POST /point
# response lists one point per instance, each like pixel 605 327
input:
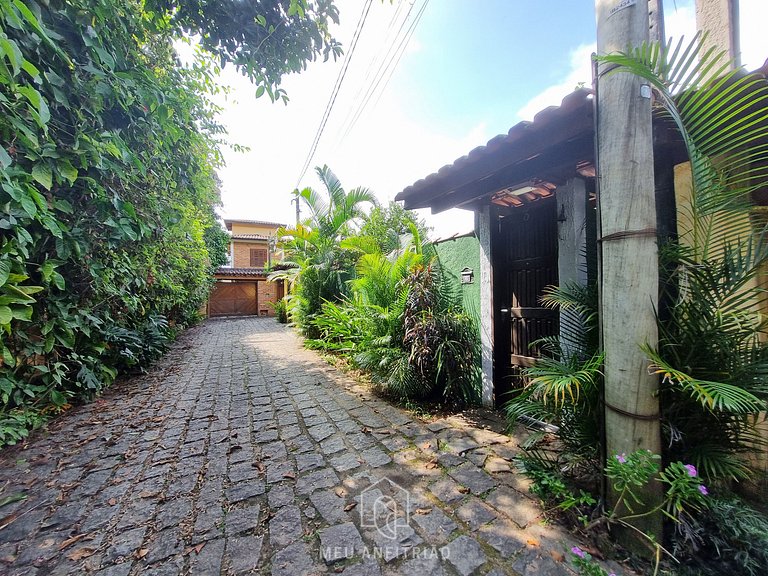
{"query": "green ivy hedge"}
pixel 108 151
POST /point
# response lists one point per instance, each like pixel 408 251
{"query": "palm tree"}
pixel 322 266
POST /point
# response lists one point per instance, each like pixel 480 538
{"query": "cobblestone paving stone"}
pixel 243 453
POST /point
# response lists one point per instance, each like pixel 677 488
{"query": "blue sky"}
pixel 486 58
pixel 472 69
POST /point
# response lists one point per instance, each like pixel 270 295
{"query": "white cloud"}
pixel 580 72
pixel 754 48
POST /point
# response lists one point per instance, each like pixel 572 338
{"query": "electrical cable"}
pixel 381 58
pixel 387 70
pixel 335 92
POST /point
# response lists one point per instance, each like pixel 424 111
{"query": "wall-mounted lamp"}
pixel 467 276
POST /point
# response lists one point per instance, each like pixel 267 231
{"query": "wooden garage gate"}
pixel 233 299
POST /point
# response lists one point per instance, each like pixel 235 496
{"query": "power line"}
pixel 383 59
pixel 389 41
pixel 386 68
pixel 335 92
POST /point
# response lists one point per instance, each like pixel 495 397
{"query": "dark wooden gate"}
pixel 525 263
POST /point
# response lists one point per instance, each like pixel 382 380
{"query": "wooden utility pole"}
pixel 298 207
pixel 629 255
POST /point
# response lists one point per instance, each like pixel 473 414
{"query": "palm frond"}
pixel 714 396
pixel 361 244
pixel 560 382
pixel 331 183
pixel 718 111
pixel 316 204
pixel 710 354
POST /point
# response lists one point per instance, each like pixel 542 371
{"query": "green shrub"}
pixel 281 311
pixel 729 538
pixel 107 159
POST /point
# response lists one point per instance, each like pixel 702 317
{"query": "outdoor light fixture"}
pixel 467 276
pixel 522 191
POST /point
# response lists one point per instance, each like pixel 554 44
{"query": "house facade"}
pixel 242 288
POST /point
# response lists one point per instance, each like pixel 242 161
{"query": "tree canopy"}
pixel 264 39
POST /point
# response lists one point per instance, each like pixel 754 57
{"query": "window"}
pixel 258 257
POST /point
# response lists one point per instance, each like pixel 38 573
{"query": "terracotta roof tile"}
pixel 249 237
pixel 420 192
pixel 227 271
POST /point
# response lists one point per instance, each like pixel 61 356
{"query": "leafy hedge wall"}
pixel 108 149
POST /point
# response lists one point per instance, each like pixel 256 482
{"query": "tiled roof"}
pixel 249 237
pixel 226 271
pixel 229 221
pixel 557 123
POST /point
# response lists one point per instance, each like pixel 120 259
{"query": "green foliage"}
pixel 217 244
pixel 390 226
pixel 563 387
pixel 684 495
pixel 711 351
pixel 551 488
pixel 586 564
pixel 322 264
pixel 440 338
pixel 728 538
pixel 15 425
pixel 400 319
pixel 281 311
pixel 264 39
pixel 108 151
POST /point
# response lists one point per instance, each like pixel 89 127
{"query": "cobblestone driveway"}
pixel 244 453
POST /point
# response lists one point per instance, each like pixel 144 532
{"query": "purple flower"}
pixel 622 458
pixel 578 551
pixel 703 489
pixel 691 469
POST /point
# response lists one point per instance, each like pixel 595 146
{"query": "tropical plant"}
pixel 390 226
pixel 730 537
pixel 322 266
pixel 402 322
pixel 281 311
pixel 430 348
pixel 563 387
pixel 264 39
pixel 380 275
pixel 711 353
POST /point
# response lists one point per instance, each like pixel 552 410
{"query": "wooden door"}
pixel 526 263
pixel 233 299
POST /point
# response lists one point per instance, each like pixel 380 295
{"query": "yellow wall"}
pixel 683 191
pixel 247 228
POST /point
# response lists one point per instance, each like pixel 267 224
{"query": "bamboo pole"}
pixel 629 259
